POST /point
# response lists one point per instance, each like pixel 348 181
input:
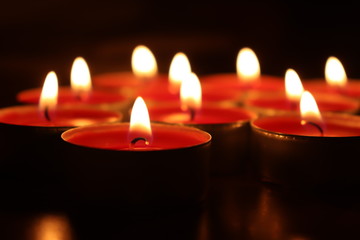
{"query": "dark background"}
pixel 39 36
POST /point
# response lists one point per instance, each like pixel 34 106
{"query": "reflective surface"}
pixel 235 209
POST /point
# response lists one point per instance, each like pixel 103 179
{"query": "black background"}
pixel 39 36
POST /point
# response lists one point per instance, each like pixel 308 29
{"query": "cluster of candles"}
pixel 143 137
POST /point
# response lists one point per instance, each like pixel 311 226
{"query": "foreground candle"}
pixel 137 164
pixel 229 127
pixel 308 151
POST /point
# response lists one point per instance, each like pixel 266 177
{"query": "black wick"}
pixel 46 114
pixel 192 114
pixel 135 140
pixel 317 126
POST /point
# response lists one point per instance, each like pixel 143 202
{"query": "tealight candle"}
pixel 144 72
pixel 32 134
pixel 167 91
pixel 307 151
pixel 248 77
pixel 81 91
pixel 336 81
pixel 137 164
pixel 229 126
pixel 288 101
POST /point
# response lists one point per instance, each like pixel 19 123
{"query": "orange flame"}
pixel 335 74
pixel 247 65
pixel 179 68
pixel 80 77
pixel 140 127
pixel 143 62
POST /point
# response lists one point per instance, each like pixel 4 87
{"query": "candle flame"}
pixel 49 92
pixel 140 127
pixel 247 65
pixel 143 62
pixel 309 109
pixel 190 93
pixel 335 74
pixel 293 85
pixel 80 77
pixel 179 68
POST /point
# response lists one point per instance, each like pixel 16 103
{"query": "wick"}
pixel 135 140
pixel 46 114
pixel 78 97
pixel 293 105
pixel 192 114
pixel 317 126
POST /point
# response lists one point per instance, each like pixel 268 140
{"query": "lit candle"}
pixel 144 71
pixel 137 164
pixel 307 151
pixel 248 78
pixel 80 92
pixel 32 134
pixel 167 90
pixel 335 82
pixel 229 126
pixel 288 101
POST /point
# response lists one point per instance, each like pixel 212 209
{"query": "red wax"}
pixel 231 81
pixel 325 102
pixel 67 96
pixel 115 137
pixel 335 125
pixel 352 88
pixel 62 117
pixel 206 115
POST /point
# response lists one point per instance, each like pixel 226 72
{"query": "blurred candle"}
pixel 248 77
pixel 81 91
pixel 144 71
pixel 335 82
pixel 282 103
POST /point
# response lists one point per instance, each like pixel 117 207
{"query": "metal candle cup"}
pixel 105 169
pixel 229 128
pixel 303 157
pixel 30 148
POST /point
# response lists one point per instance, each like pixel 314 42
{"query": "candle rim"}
pixel 298 136
pixel 250 114
pixel 3 112
pixel 127 124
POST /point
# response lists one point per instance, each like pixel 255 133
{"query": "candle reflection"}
pixel 267 222
pixel 52 227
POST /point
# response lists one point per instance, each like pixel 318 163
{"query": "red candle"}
pixel 80 92
pixel 144 72
pixel 335 82
pixel 32 148
pixel 228 126
pixel 308 151
pixel 167 90
pixel 137 164
pixel 288 101
pixel 248 77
